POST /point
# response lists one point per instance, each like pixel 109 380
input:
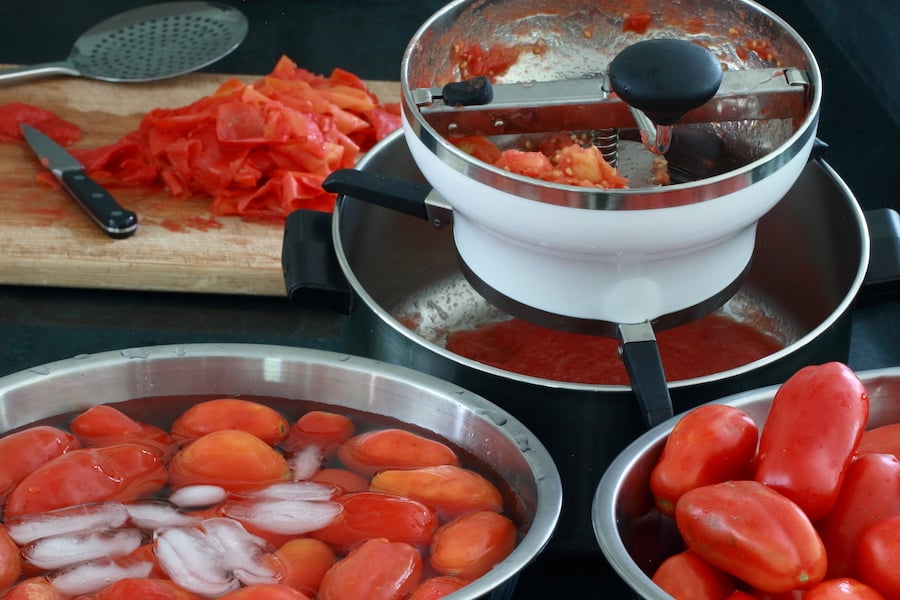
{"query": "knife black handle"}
pixel 99 204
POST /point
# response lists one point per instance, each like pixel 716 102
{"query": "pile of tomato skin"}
pixel 807 506
pixel 258 150
pixel 415 524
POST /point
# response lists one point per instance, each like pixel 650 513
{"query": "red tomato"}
pixel 148 589
pixel 369 515
pixel 373 451
pixel 326 430
pixel 740 595
pixel 686 576
pixel 347 480
pixel 881 440
pixel 302 562
pixel 470 545
pixel 10 562
pixel 24 451
pixel 33 589
pixel 810 435
pixel 265 591
pixel 749 530
pixel 112 473
pixel 870 492
pixel 450 490
pixel 375 570
pixel 710 444
pixel 230 413
pixel 435 588
pixel 233 459
pixel 103 425
pixel 877 557
pixel 844 588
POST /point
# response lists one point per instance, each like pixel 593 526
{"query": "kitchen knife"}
pixel 96 201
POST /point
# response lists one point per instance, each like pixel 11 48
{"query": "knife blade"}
pixel 96 201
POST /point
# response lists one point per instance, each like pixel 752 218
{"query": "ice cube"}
pixel 91 576
pixel 295 490
pixel 290 517
pixel 68 549
pixel 82 517
pixel 153 514
pixel 193 562
pixel 193 496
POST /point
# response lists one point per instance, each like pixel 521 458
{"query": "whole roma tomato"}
pixel 302 563
pixel 265 591
pixel 749 530
pixel 367 515
pixel 120 473
pixel 710 444
pixel 10 562
pixel 377 569
pixel 810 436
pixel 24 451
pixel 470 545
pixel 255 418
pixel 434 588
pixel 323 429
pixel 870 492
pixel 884 439
pixel 373 451
pixel 103 425
pixel 450 490
pixel 155 589
pixel 877 557
pixel 686 576
pixel 843 588
pixel 35 588
pixel 345 479
pixel 230 458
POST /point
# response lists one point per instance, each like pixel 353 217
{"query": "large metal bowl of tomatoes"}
pixel 787 491
pixel 244 471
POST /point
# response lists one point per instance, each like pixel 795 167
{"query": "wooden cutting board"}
pixel 46 240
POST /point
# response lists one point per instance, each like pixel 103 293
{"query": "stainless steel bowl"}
pixel 338 380
pixel 635 537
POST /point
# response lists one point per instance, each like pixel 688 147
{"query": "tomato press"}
pixel 722 96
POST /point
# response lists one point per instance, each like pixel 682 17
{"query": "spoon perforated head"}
pixel 149 43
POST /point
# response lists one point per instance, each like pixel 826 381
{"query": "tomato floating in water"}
pixel 121 473
pixel 24 451
pixel 230 458
pixel 376 570
pixel 230 413
pixel 709 345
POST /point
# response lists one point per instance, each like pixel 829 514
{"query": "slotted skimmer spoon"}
pixel 148 43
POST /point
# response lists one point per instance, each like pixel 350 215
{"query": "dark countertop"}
pixel 39 325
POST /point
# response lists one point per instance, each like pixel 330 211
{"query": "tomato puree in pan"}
pixel 706 346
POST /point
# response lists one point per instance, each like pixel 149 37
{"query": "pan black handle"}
pixel 390 192
pixel 640 354
pixel 312 275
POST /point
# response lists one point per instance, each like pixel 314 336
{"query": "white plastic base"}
pixel 620 266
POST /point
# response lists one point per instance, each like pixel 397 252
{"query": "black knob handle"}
pixel 665 78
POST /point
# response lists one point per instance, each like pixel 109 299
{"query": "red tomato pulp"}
pixel 709 345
